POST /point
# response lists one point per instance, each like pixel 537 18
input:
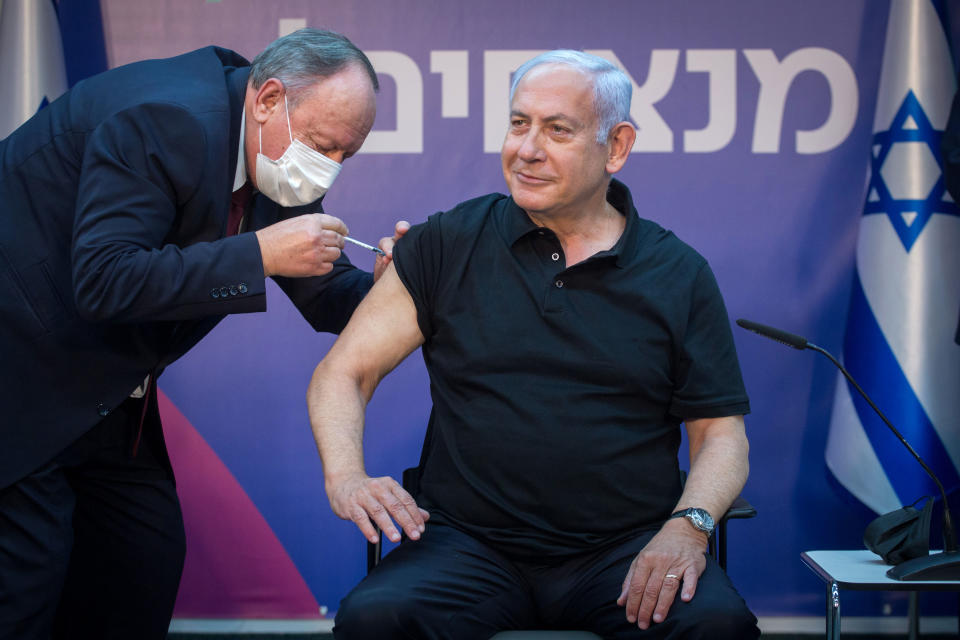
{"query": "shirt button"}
pixel 559 284
pixel 214 293
pixel 103 410
pixel 224 292
pixel 555 256
pixel 242 287
pixel 233 290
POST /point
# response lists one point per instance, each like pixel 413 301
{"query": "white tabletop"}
pixel 865 570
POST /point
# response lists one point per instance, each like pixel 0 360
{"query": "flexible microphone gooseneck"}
pixel 937 566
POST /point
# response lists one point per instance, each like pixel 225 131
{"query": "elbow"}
pixel 745 457
pixel 91 303
pixel 316 384
pixel 333 379
pixel 93 293
pixel 99 300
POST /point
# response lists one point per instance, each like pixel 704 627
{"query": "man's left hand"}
pixel 386 245
pixel 674 558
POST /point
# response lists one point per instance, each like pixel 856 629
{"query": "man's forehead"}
pixel 555 75
pixel 559 89
pixel 547 117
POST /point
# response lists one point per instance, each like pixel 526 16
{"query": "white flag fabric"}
pixel 31 60
pixel 899 341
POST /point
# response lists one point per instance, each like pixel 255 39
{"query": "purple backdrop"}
pixel 775 212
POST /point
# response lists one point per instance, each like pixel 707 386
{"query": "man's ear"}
pixel 619 143
pixel 266 99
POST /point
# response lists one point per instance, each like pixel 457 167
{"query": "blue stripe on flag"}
pixel 940 6
pixel 868 357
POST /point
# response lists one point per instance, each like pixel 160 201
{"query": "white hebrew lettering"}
pixel 286 26
pixel 721 67
pixel 408 136
pixel 653 134
pixel 454 85
pixel 775 80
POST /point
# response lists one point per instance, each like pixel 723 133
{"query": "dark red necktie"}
pixel 238 206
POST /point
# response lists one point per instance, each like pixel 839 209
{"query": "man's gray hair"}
pixel 612 88
pixel 301 58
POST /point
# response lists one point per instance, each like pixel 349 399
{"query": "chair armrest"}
pixel 740 509
pixel 411 482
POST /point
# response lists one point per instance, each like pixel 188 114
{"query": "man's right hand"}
pixel 365 500
pixel 303 246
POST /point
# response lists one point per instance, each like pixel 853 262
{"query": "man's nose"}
pixel 336 156
pixel 531 149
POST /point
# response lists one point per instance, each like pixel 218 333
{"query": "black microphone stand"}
pixel 936 566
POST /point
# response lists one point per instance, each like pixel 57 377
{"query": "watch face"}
pixel 701 519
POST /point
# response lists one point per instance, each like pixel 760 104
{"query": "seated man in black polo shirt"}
pixel 566 340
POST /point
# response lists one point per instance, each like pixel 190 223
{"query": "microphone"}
pixel 789 339
pixel 936 566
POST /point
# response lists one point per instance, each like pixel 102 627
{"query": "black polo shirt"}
pixel 558 392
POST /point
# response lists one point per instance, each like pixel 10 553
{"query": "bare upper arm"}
pixel 381 333
pixel 700 430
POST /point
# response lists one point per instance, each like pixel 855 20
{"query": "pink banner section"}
pixel 235 566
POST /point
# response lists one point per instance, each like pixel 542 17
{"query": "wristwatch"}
pixel 698 517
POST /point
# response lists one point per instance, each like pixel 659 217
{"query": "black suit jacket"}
pixel 113 251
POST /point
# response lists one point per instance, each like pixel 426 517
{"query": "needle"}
pixel 365 246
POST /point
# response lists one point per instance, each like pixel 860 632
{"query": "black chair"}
pixel 717 545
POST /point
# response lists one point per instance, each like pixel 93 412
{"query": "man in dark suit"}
pixel 135 212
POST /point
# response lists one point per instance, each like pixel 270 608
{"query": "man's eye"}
pixel 558 129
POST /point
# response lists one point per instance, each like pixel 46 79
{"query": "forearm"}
pixel 719 465
pixel 117 282
pixel 336 402
pixel 674 559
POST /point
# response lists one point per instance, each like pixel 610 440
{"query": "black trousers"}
pixel 450 585
pixel 92 543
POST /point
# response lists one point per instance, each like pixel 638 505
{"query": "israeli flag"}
pixel 32 72
pixel 906 290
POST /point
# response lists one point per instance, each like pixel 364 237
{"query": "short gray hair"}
pixel 612 88
pixel 299 59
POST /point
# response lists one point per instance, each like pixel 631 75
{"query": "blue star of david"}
pixel 895 208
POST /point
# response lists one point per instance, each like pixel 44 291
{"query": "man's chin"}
pixel 530 205
pixel 529 198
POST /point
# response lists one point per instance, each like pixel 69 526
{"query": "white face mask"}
pixel 300 176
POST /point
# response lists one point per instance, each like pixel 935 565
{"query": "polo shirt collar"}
pixel 626 247
pixel 518 224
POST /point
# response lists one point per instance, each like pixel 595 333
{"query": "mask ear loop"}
pixel 287 111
